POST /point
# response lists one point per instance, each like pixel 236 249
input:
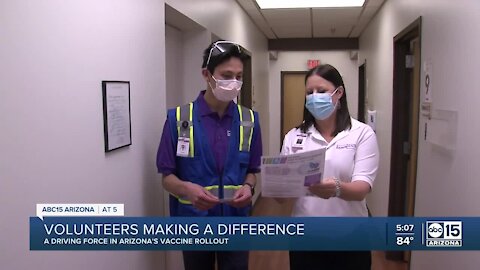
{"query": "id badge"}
pixel 183 147
pixel 300 141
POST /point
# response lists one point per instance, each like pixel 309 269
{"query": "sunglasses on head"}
pixel 220 47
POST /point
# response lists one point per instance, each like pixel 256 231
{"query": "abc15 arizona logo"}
pixel 443 234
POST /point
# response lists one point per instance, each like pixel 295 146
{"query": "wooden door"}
pixel 292 100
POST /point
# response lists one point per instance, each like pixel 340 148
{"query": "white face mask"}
pixel 226 90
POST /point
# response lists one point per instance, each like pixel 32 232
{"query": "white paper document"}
pixel 290 176
pixel 118 115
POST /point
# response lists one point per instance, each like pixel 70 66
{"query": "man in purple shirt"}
pixel 210 152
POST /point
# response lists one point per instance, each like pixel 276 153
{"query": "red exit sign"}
pixel 312 63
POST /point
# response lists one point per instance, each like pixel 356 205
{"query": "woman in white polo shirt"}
pixel 351 164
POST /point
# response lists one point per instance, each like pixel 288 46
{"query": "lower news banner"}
pixel 253 233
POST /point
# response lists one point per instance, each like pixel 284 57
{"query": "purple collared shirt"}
pixel 218 131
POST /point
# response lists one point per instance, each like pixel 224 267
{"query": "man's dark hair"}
pixel 221 51
pixel 332 75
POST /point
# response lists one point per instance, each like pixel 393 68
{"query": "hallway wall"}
pixel 54 56
pixel 446 180
pixel 174 61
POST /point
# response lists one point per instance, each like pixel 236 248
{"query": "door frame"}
pixel 246 96
pixel 282 86
pixel 362 90
pixel 402 189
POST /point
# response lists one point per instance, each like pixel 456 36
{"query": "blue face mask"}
pixel 320 105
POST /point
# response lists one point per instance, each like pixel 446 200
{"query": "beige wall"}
pixel 446 180
pixel 174 61
pixel 55 55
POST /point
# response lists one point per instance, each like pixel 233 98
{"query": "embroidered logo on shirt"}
pixel 346 146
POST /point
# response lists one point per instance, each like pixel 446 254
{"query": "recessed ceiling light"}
pixel 271 4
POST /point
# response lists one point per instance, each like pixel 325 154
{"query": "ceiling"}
pixel 311 22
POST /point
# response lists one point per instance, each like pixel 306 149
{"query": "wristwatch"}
pixel 252 187
pixel 338 190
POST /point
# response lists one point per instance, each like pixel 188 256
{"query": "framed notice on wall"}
pixel 117 125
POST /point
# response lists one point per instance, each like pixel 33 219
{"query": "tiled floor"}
pixel 278 260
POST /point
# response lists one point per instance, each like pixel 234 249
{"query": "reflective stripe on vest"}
pixel 185 124
pixel 247 122
pixel 184 117
pixel 183 201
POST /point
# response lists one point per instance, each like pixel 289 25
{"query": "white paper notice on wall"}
pixel 442 129
pixel 427 81
pixel 372 119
